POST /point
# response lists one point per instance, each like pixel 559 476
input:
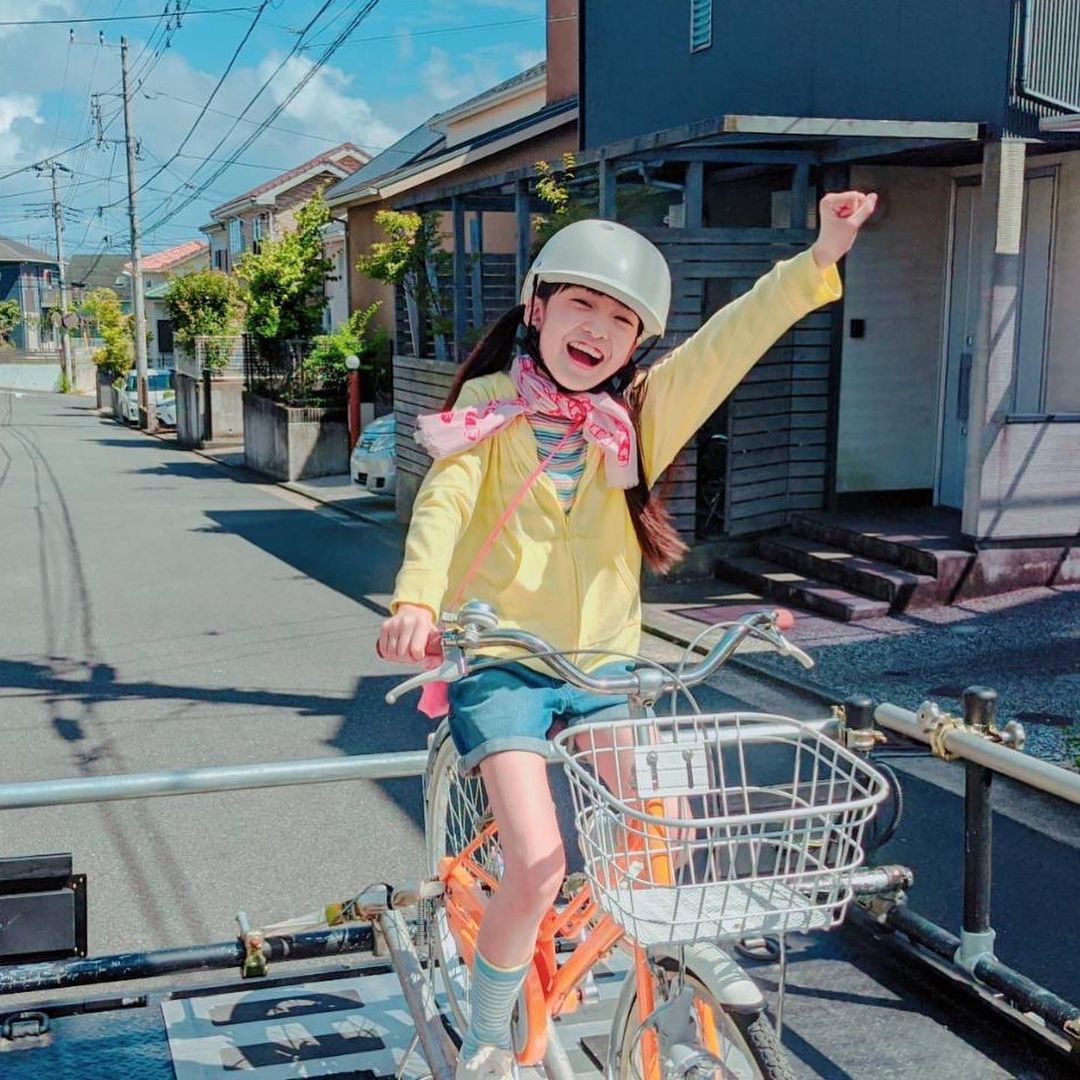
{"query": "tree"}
pixel 10 317
pixel 204 304
pixel 326 362
pixel 553 188
pixel 410 257
pixel 284 282
pixel 116 330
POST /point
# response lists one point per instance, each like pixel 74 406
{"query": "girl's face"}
pixel 585 336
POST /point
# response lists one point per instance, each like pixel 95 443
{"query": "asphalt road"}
pixel 162 611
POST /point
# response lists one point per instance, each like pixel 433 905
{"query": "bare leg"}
pixel 533 861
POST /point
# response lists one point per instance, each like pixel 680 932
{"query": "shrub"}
pixel 204 304
pixel 325 364
pixel 284 282
pixel 115 329
pixel 10 316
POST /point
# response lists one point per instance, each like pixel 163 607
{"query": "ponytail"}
pixel 492 353
pixel 661 545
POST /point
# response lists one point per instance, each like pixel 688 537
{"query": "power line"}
pixel 45 160
pixel 269 127
pixel 213 93
pixel 116 18
pixel 292 52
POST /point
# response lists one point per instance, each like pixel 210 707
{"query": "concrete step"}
pixel 936 553
pixel 900 589
pixel 779 582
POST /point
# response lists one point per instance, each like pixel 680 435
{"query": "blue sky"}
pixel 406 60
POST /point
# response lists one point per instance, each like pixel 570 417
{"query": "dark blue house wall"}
pixel 860 59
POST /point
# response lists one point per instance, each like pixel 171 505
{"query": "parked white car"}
pixel 165 411
pixel 159 387
pixel 372 461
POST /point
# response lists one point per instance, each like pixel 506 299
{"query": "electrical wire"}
pixel 116 18
pixel 202 112
pixel 355 21
pixel 318 14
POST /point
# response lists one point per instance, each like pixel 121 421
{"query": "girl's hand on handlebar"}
pixel 408 635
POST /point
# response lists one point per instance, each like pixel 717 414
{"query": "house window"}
pixel 700 24
pixel 219 259
pixel 258 232
pixel 236 236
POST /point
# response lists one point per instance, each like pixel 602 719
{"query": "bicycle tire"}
pixel 747 1035
pixel 453 807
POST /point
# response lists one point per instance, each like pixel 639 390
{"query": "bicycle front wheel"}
pixel 717 1043
pixel 456 811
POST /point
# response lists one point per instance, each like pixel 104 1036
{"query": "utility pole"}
pixel 138 298
pixel 58 219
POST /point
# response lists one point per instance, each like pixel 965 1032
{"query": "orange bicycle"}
pixel 694 830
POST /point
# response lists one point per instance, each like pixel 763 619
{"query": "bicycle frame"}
pixel 550 988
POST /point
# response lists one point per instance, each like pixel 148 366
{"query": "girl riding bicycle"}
pixel 539 502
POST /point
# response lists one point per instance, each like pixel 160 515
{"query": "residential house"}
pixel 474 165
pixel 268 210
pixel 32 278
pixel 947 379
pixel 96 271
pixel 159 269
pixel 530 117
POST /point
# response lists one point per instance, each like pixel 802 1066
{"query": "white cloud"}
pixel 451 80
pixel 325 104
pixel 29 10
pixel 529 57
pixel 15 111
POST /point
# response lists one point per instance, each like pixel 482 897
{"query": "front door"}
pixel 1035 271
pixel 960 345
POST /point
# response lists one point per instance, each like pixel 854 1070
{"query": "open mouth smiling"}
pixel 584 354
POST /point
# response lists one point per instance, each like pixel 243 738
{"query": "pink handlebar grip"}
pixel 784 620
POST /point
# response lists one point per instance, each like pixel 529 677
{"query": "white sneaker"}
pixel 488 1063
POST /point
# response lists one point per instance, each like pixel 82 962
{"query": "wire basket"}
pixel 717 826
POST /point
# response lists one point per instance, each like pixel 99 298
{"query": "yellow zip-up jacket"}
pixel 574 579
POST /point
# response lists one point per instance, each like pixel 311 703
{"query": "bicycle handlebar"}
pixel 475 627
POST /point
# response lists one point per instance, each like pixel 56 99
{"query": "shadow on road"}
pixel 357 562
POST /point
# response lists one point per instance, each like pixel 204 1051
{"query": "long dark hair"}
pixel 661 545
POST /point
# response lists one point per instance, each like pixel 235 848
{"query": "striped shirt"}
pixel 568 465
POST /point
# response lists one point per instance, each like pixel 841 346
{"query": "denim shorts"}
pixel 512 707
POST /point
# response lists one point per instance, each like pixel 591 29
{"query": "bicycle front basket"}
pixel 718 826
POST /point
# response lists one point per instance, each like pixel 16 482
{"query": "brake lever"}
pixel 789 649
pixel 448 671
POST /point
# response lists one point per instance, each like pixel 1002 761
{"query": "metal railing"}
pixel 222 354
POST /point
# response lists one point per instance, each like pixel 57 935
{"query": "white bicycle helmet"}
pixel 612 259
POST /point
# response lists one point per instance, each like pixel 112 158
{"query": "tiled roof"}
pixel 162 260
pixel 520 127
pixel 346 157
pixel 404 152
pixel 13 251
pixel 93 271
pixel 494 91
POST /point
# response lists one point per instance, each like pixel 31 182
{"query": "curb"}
pixel 287 485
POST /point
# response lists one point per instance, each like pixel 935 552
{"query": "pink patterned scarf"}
pixel 604 421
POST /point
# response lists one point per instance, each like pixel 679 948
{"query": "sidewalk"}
pixel 1024 644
